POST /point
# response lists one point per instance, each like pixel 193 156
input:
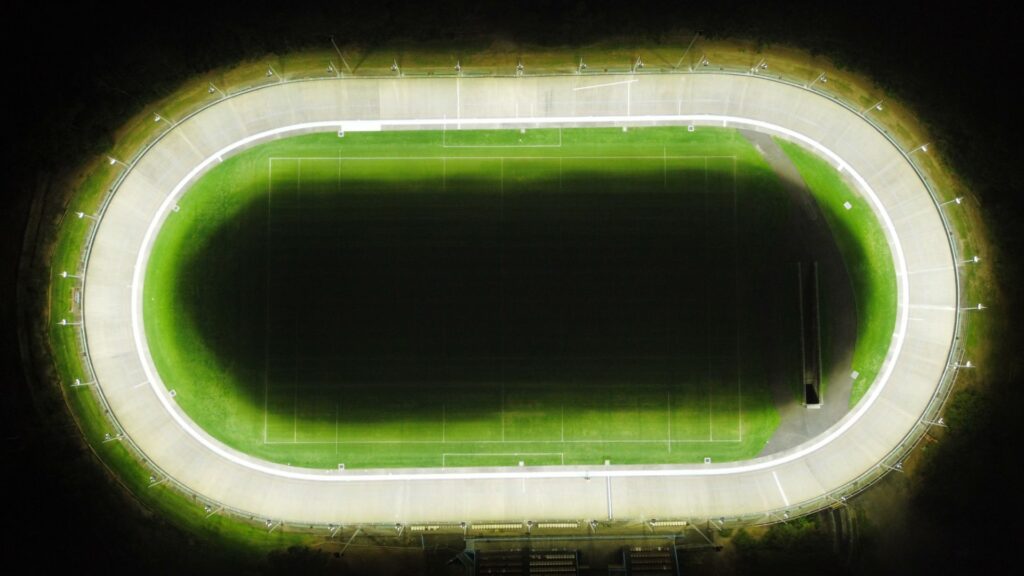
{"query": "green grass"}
pixel 568 296
pixel 868 260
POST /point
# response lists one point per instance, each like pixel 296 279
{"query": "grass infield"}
pixel 481 298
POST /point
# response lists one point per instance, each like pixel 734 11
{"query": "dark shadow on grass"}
pixel 377 295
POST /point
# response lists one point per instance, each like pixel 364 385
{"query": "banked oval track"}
pixel 927 292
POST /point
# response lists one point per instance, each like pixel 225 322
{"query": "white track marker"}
pixel 738 468
pixel 608 492
pixel 779 486
pixel 592 86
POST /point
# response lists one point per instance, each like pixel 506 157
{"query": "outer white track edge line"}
pixel 237 458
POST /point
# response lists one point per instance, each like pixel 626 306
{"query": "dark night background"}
pixel 78 73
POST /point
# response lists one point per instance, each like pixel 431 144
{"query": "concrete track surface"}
pixel 145 409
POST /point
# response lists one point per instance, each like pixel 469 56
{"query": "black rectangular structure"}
pixel 810 333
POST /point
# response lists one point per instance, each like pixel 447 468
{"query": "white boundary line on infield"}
pixel 142 348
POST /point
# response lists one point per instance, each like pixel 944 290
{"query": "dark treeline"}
pixel 85 70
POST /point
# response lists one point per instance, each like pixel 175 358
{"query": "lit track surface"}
pixel 926 311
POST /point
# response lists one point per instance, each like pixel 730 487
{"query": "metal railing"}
pixel 892 461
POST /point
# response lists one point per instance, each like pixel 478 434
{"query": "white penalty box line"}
pixel 675 441
pixel 820 442
pixel 514 157
pixel 444 456
pixel 445 144
pixel 663 158
pixel 669 440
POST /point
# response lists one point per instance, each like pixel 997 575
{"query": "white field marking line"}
pixel 140 384
pixel 711 429
pixel 445 455
pixel 266 306
pixel 736 268
pixel 295 380
pixel 664 168
pixel 445 144
pixel 516 157
pixel 605 85
pixel 881 381
pixel 779 486
pixel 517 442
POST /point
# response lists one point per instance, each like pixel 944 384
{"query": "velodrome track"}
pixel 925 265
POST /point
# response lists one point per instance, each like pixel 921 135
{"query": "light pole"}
pixel 519 67
pixel 687 51
pixel 272 72
pixel 111 160
pixel 967 364
pixel 78 383
pixel 458 67
pixel 980 306
pixel 82 215
pixel 332 70
pixel 211 89
pixel 581 67
pixel 395 68
pixel 761 65
pixel 875 106
pixel 64 322
pixel 65 274
pixel 821 78
pixel 958 200
pixel 922 148
pixel 637 65
pixel 971 260
pixel 159 118
pixel 841 501
pixel 340 55
pixel 702 62
pixel 898 467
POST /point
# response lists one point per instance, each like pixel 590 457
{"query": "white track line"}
pixel 779 485
pixel 142 347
